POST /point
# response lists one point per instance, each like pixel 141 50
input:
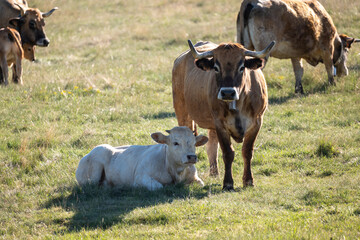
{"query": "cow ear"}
pixel 200 140
pixel 159 138
pixel 347 41
pixel 254 63
pixel 205 64
pixel 15 22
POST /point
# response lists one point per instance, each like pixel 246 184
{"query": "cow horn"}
pixel 22 9
pixel 198 55
pixel 49 12
pixel 261 54
pixel 357 40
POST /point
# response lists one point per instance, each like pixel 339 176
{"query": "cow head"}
pixel 181 145
pixel 229 62
pixel 29 52
pixel 31 25
pixel 340 54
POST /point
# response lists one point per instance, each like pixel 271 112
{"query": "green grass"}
pixel 106 78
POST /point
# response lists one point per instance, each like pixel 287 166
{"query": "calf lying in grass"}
pixel 153 166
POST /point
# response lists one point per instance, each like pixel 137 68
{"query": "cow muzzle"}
pixel 43 42
pixel 191 159
pixel 228 94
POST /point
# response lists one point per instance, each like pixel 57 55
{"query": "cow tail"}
pixel 243 19
pixel 14 36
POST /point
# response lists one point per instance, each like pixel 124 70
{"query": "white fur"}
pixel 150 166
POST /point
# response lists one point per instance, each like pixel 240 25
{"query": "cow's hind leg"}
pixel 4 67
pixel 247 152
pixel 212 152
pixel 299 72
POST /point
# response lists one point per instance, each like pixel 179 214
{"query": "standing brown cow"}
pixel 223 90
pixel 302 29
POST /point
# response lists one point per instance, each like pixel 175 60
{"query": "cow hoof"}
pixel 332 82
pixel 299 89
pixel 248 183
pixel 228 188
pixel 214 173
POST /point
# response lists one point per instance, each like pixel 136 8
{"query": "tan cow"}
pixel 11 53
pixel 302 29
pixel 222 89
pixel 169 162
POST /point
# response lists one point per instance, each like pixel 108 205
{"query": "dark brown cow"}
pixel 29 22
pixel 223 90
pixel 302 29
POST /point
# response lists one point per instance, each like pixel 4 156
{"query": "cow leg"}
pixel 212 152
pixel 1 76
pixel 19 71
pixel 247 152
pixel 5 71
pixel 148 182
pixel 228 157
pixel 15 76
pixel 329 66
pixel 299 71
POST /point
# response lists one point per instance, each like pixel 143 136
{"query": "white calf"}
pixel 171 161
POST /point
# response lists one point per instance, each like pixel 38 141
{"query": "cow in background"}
pixel 221 88
pixel 302 29
pixel 169 162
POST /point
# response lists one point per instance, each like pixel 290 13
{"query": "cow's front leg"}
pixel 228 157
pixel 212 152
pixel 247 151
pixel 329 65
pixel 148 182
pixel 4 67
pixel 299 72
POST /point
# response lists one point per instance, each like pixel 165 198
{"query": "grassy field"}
pixel 106 78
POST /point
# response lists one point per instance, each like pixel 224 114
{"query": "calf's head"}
pixel 29 52
pixel 229 62
pixel 340 54
pixel 31 25
pixel 181 145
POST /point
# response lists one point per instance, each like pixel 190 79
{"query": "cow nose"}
pixel 191 158
pixel 228 94
pixel 46 42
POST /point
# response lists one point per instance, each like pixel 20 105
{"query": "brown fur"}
pixel 302 29
pixel 195 100
pixel 11 53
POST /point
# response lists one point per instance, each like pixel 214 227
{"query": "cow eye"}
pixel 216 68
pixel 32 25
pixel 241 69
pixel 176 144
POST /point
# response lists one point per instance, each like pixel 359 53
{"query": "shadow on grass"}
pixel 313 89
pixel 102 207
pixel 160 115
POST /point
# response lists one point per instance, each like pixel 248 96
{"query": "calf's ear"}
pixel 159 137
pixel 254 63
pixel 200 140
pixel 205 64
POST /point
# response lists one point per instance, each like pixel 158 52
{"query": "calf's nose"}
pixel 192 158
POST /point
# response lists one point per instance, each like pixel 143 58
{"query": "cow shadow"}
pixel 102 207
pixel 160 115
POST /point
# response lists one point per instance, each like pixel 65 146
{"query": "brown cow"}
pixel 302 29
pixel 29 22
pixel 225 92
pixel 11 54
